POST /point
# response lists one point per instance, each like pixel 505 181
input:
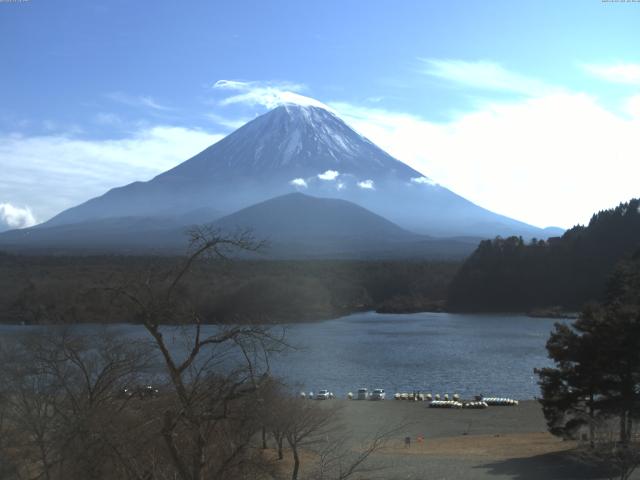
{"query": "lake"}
pixel 441 353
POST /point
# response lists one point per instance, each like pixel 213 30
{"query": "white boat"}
pixel 502 402
pixel 445 404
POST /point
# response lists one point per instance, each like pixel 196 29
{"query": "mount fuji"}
pixel 292 148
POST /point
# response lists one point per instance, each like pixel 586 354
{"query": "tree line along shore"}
pixel 52 289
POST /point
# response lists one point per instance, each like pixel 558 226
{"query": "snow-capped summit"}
pixel 298 146
pixel 271 97
pixel 296 141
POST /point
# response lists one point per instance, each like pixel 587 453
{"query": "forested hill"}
pixel 507 274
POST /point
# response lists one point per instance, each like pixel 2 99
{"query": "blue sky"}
pixel 531 109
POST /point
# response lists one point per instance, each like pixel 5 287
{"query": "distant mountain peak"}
pixel 292 141
pixel 296 215
pixel 305 103
pixel 299 145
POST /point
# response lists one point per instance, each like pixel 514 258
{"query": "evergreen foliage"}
pixel 507 274
pixel 597 375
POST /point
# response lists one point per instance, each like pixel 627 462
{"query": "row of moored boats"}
pixel 435 401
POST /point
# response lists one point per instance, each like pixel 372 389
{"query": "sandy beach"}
pixel 494 443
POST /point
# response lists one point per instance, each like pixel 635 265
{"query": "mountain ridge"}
pixel 295 226
pixel 307 149
pixel 299 215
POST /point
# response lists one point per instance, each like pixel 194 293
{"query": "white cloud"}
pixel 623 73
pixel 341 186
pixel 299 182
pixel 632 106
pixel 137 101
pixel 227 122
pixel 106 118
pixel 15 217
pixel 366 184
pixel 151 103
pixel 551 160
pixel 54 172
pixel 423 181
pixel 267 94
pixel 329 175
pixel 485 75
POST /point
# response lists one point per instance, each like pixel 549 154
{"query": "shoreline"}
pixel 558 316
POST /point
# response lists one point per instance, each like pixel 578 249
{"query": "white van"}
pixel 323 395
pixel 363 394
pixel 378 394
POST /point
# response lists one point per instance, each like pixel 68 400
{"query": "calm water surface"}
pixel 431 352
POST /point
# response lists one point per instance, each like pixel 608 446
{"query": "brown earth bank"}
pixel 495 443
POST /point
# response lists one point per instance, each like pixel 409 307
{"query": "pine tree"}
pixel 597 372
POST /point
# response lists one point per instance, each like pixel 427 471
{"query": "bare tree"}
pixel 306 424
pixel 317 429
pixel 214 376
pixel 64 413
pixel 338 461
pixel 61 400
